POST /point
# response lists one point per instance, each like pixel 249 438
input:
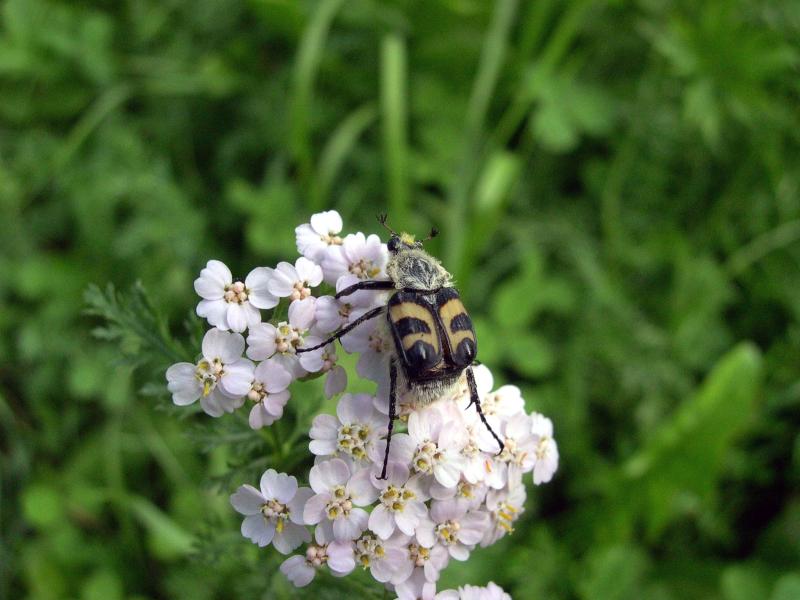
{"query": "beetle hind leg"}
pixel 474 399
pixel 392 414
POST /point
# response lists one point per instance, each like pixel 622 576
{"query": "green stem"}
pixel 783 235
pixel 309 57
pixel 337 150
pixel 394 117
pixel 492 57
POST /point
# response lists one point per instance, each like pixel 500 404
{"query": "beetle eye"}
pixel 394 243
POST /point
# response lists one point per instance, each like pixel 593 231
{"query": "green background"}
pixel 618 189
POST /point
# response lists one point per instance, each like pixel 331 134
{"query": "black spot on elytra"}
pixel 461 322
pixel 466 352
pixel 409 325
pixel 422 356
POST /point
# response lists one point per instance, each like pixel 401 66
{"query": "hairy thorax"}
pixel 417 269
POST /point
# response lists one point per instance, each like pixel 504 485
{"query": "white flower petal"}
pixel 247 500
pixel 259 417
pixel 213 279
pixel 328 222
pixel 290 538
pixel 278 486
pixel 182 383
pixel 340 557
pixel 335 382
pixel 211 404
pixel 327 314
pixel 301 313
pixel 261 341
pixel 354 408
pixel 351 526
pixel 541 425
pixel 308 272
pixel 257 284
pixel 236 317
pixel 298 571
pixel 381 522
pixel 327 474
pixel 214 311
pixel 360 487
pixel 238 378
pixel 226 346
pixel 257 529
pixel 314 509
pixel 298 503
pixel 322 447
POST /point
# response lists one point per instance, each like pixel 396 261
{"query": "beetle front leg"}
pixel 377 284
pixel 474 399
pixel 345 330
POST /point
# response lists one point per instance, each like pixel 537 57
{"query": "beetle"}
pixel 434 340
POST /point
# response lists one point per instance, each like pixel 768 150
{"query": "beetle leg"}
pixel 473 396
pixel 392 413
pixel 376 284
pixel 346 329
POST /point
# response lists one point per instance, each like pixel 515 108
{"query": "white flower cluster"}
pixel 260 370
pixel 447 489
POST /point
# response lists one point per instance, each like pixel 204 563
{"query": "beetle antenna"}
pixel 434 232
pixel 382 220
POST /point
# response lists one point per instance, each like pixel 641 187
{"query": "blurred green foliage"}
pixel 618 185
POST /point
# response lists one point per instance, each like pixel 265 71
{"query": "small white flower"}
pixel 352 433
pixel 228 304
pixel 338 556
pixel 331 314
pixel 430 447
pixel 455 528
pixel 473 592
pixel 401 502
pixel 470 495
pixel 339 493
pixel 424 565
pixel 300 570
pixel 221 378
pixel 295 282
pixel 334 313
pixel 314 238
pixel 382 557
pixel 519 451
pixel 267 340
pixel 359 255
pixel 473 453
pixel 323 360
pixel 268 393
pixel 505 402
pixel 546 449
pixel 274 513
pixel 505 507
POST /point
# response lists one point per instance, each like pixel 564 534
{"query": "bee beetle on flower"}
pixel 433 335
pixel 452 478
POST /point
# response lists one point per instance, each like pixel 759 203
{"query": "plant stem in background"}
pixel 394 123
pixel 492 56
pixel 307 63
